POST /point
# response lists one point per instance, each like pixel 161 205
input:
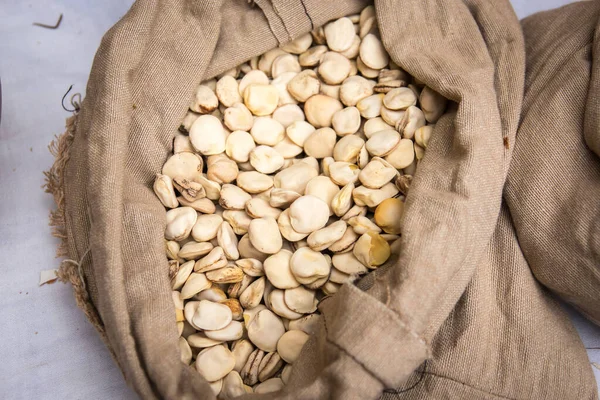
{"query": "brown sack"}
pixel 553 189
pixel 145 73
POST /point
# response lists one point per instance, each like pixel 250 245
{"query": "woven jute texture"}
pixel 465 310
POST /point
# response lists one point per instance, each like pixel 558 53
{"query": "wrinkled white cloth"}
pixel 47 347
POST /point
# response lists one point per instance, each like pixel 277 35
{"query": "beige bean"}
pixel 261 99
pixel 278 306
pixel 323 238
pixel 388 215
pixel 288 114
pixel 233 386
pixel 228 241
pixel 334 68
pixel 187 122
pixel 412 120
pixel 370 107
pixel 254 182
pixel 377 173
pixel 285 63
pixel 365 70
pixel 299 131
pixel 215 363
pixel 298 45
pixel 269 366
pixel 238 219
pixel 342 173
pixel 332 91
pixel 238 146
pixel 180 222
pixel 193 250
pixel 247 250
pixel 253 294
pixel 383 142
pixel 342 201
pixel 267 131
pixel 182 275
pixel 269 386
pixel 355 89
pixel 392 117
pixel 241 351
pixel 233 331
pixel 201 205
pixel 433 104
pixel 348 263
pixel 214 294
pixel 207 135
pixel 304 85
pixel 346 121
pixel 265 330
pixel 264 235
pixel 422 135
pixel 364 196
pixel 285 227
pixel 290 345
pixel 321 143
pixel 312 56
pixel 184 165
pixel 254 77
pixel 201 341
pixel 348 148
pixel 371 250
pixel 339 34
pixel 205 101
pixel 227 90
pixel 163 188
pixel 402 155
pixel 223 171
pixel 354 49
pixel 400 99
pixel 229 274
pixel 282 198
pixel 233 197
pixel 251 266
pixel 265 159
pixel 319 110
pixel 301 300
pixel 308 324
pixel 238 118
pixel 372 52
pixel 182 143
pixel 362 225
pixel 265 63
pixel 309 266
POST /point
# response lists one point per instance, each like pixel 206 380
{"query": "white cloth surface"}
pixel 48 350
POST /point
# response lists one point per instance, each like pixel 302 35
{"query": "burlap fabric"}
pixel 460 295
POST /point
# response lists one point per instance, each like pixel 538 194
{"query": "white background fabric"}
pixel 47 347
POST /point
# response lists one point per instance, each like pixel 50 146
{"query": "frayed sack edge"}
pixel 70 271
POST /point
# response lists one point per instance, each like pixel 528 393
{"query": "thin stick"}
pixel 50 26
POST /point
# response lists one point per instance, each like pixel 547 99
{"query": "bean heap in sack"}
pixel 288 180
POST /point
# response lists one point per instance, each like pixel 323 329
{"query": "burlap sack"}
pixel 553 189
pixel 460 293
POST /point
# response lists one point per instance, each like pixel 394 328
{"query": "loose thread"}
pixel 397 392
pixel 75 101
pixel 79 266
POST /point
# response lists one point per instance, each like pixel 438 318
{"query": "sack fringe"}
pixel 54 185
pixel 70 271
